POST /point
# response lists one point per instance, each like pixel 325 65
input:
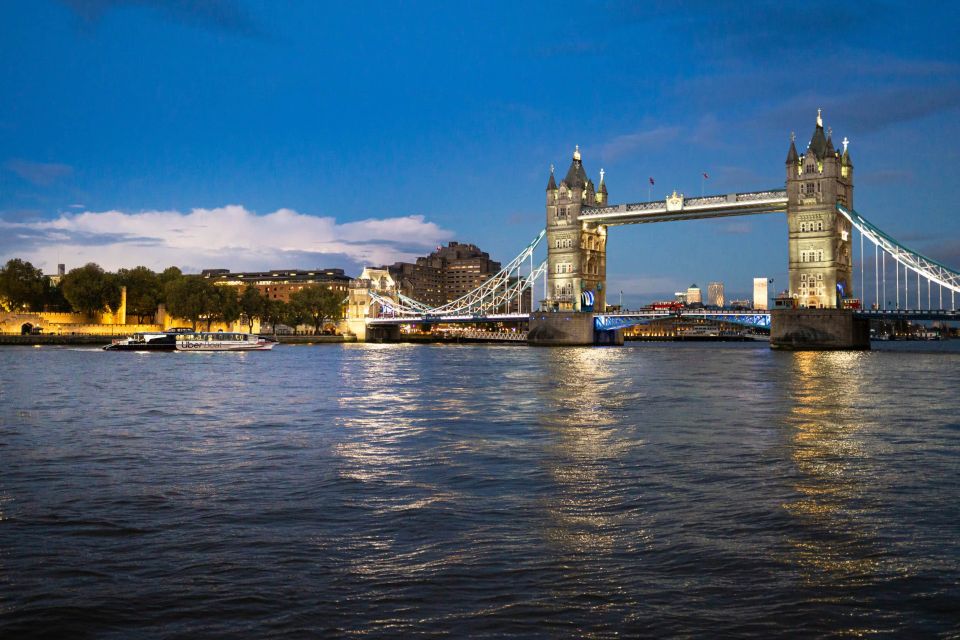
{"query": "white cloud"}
pixel 229 237
pixel 639 141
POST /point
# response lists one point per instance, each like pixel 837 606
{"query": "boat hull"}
pixel 193 341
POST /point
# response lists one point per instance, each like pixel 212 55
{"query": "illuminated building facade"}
pixel 760 293
pixel 282 283
pixel 821 258
pixel 576 251
pixel 715 296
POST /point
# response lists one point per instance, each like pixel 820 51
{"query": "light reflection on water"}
pixel 392 490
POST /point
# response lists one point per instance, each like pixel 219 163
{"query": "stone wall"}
pixel 561 328
pixel 818 329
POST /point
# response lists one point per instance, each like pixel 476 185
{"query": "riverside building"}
pixel 445 275
pixel 281 283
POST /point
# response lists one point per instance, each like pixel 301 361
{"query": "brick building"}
pixel 281 283
pixel 444 275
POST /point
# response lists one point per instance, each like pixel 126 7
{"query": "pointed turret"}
pixel 576 177
pixel 792 156
pixel 845 159
pixel 818 141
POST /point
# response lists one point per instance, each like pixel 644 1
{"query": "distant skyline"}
pixel 256 135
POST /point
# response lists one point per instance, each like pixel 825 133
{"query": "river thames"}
pixel 397 490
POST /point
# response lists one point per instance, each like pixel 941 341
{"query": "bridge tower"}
pixel 576 251
pixel 821 259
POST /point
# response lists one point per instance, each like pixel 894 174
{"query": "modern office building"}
pixel 715 294
pixel 760 295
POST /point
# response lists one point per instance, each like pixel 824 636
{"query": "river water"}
pixel 692 490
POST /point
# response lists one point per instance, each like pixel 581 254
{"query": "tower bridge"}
pixel 818 202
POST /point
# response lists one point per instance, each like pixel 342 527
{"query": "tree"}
pixel 227 305
pixel 191 297
pixel 319 304
pixel 252 304
pixel 21 286
pixel 168 275
pixel 293 314
pixel 274 312
pixel 89 289
pixel 143 291
pixel 53 299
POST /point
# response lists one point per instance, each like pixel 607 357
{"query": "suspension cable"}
pixel 876 275
pixel 885 301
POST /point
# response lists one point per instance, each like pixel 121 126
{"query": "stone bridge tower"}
pixel 821 259
pixel 576 251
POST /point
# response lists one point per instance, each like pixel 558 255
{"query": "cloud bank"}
pixel 229 237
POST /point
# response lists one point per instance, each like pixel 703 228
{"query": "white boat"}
pixel 148 341
pixel 223 341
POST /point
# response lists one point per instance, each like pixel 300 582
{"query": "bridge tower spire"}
pixel 576 250
pixel 820 239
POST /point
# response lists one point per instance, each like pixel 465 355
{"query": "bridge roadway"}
pixel 677 207
pixel 610 321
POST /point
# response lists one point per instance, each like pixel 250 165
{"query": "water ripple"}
pixel 398 490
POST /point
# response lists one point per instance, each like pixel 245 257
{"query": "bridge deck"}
pixel 452 319
pixel 757 318
pixel 679 208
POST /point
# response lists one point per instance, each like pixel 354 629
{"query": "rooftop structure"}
pixel 280 284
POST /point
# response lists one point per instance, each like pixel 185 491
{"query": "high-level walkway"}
pixel 677 207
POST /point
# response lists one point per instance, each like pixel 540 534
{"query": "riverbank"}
pixel 315 339
pixel 86 339
pixel 696 338
pixel 40 340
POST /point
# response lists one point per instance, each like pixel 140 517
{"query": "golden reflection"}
pixel 382 414
pixel 584 399
pixel 375 417
pixel 838 547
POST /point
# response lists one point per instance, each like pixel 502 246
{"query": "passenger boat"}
pixel 159 341
pixel 223 341
pixel 189 340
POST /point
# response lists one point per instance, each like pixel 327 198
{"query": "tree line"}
pixel 90 289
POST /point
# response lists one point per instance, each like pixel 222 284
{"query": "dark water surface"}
pixel 397 490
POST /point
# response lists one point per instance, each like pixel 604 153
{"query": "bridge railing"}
pixel 696 201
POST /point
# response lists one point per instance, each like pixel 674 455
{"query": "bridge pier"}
pixel 818 330
pixel 569 329
pixel 382 333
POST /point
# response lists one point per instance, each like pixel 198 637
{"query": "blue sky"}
pixel 256 135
